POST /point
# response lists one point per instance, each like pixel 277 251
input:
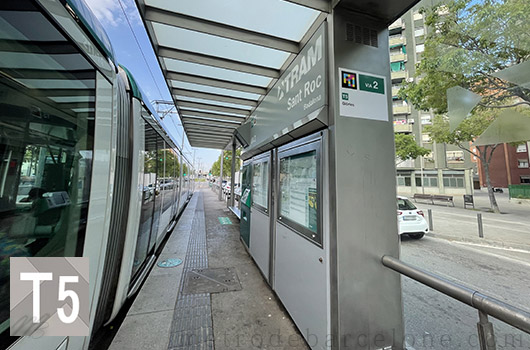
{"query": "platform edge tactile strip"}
pixel 192 327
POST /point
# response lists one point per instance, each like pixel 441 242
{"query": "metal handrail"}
pixel 487 305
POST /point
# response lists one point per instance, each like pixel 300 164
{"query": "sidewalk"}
pixel 216 299
pixel 510 230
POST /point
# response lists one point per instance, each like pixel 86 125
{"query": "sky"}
pixel 118 17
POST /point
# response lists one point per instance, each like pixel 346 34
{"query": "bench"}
pixel 422 196
pixel 434 197
pixel 443 198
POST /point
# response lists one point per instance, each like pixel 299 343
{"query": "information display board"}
pixel 299 193
pixel 260 184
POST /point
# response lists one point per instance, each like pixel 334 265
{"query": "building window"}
pixel 453 181
pixel 419 31
pixel 428 181
pixel 426 119
pixel 403 180
pixel 426 138
pixel 521 148
pixel 420 48
pixel 417 16
pixel 522 163
pixel 525 179
pixel 455 156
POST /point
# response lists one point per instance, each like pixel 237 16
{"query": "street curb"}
pixel 492 243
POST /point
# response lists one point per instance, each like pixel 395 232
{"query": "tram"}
pixel 87 168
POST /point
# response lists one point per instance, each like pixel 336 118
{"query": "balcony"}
pixel 401 109
pixel 397 24
pixel 406 128
pixel 397 41
pixel 395 90
pixel 400 75
pixel 398 57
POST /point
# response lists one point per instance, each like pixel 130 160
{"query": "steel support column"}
pixel 221 176
pixel 233 172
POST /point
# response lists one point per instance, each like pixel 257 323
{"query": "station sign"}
pixel 299 91
pixel 362 95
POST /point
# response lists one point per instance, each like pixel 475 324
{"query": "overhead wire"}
pixel 148 67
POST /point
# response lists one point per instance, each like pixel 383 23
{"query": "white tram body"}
pixel 87 168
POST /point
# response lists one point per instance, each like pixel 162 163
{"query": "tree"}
pixel 468 44
pixel 227 163
pixel 407 148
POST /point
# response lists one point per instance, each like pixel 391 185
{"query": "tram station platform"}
pixel 215 299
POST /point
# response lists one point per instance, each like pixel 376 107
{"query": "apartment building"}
pixel 447 169
pixel 508 166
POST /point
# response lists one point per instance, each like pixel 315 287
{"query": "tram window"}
pixel 260 184
pixel 149 192
pixel 299 205
pixel 47 102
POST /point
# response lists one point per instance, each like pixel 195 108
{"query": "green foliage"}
pixel 472 41
pixel 407 148
pixel 227 163
pixel 469 129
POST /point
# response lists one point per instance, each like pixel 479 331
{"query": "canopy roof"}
pixel 220 58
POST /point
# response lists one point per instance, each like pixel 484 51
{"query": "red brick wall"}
pixel 498 173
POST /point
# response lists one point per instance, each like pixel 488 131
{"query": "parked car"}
pixel 411 220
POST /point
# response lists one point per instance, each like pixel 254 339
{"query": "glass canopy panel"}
pixel 290 21
pixel 43 61
pixel 218 47
pixel 22 25
pixel 216 73
pixel 214 90
pixel 67 99
pixel 58 83
pixel 186 109
pixel 212 102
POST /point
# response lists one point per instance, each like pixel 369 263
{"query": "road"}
pixel 435 321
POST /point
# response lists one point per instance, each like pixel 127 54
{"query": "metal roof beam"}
pixel 218 29
pixel 319 5
pixel 213 61
pixel 224 142
pixel 225 84
pixel 206 140
pixel 64 92
pixel 210 107
pixel 210 137
pixel 38 47
pixel 208 128
pixel 203 122
pixel 72 105
pixel 219 145
pixel 188 113
pixel 214 97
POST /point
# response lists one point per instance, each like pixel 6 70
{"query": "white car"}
pixel 411 220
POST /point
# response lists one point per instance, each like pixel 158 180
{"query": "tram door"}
pixel 246 197
pixel 301 265
pixel 260 224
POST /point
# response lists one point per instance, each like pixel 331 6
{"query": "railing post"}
pixel 480 228
pixel 429 211
pixel 486 335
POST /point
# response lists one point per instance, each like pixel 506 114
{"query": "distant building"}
pixel 447 169
pixel 509 166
